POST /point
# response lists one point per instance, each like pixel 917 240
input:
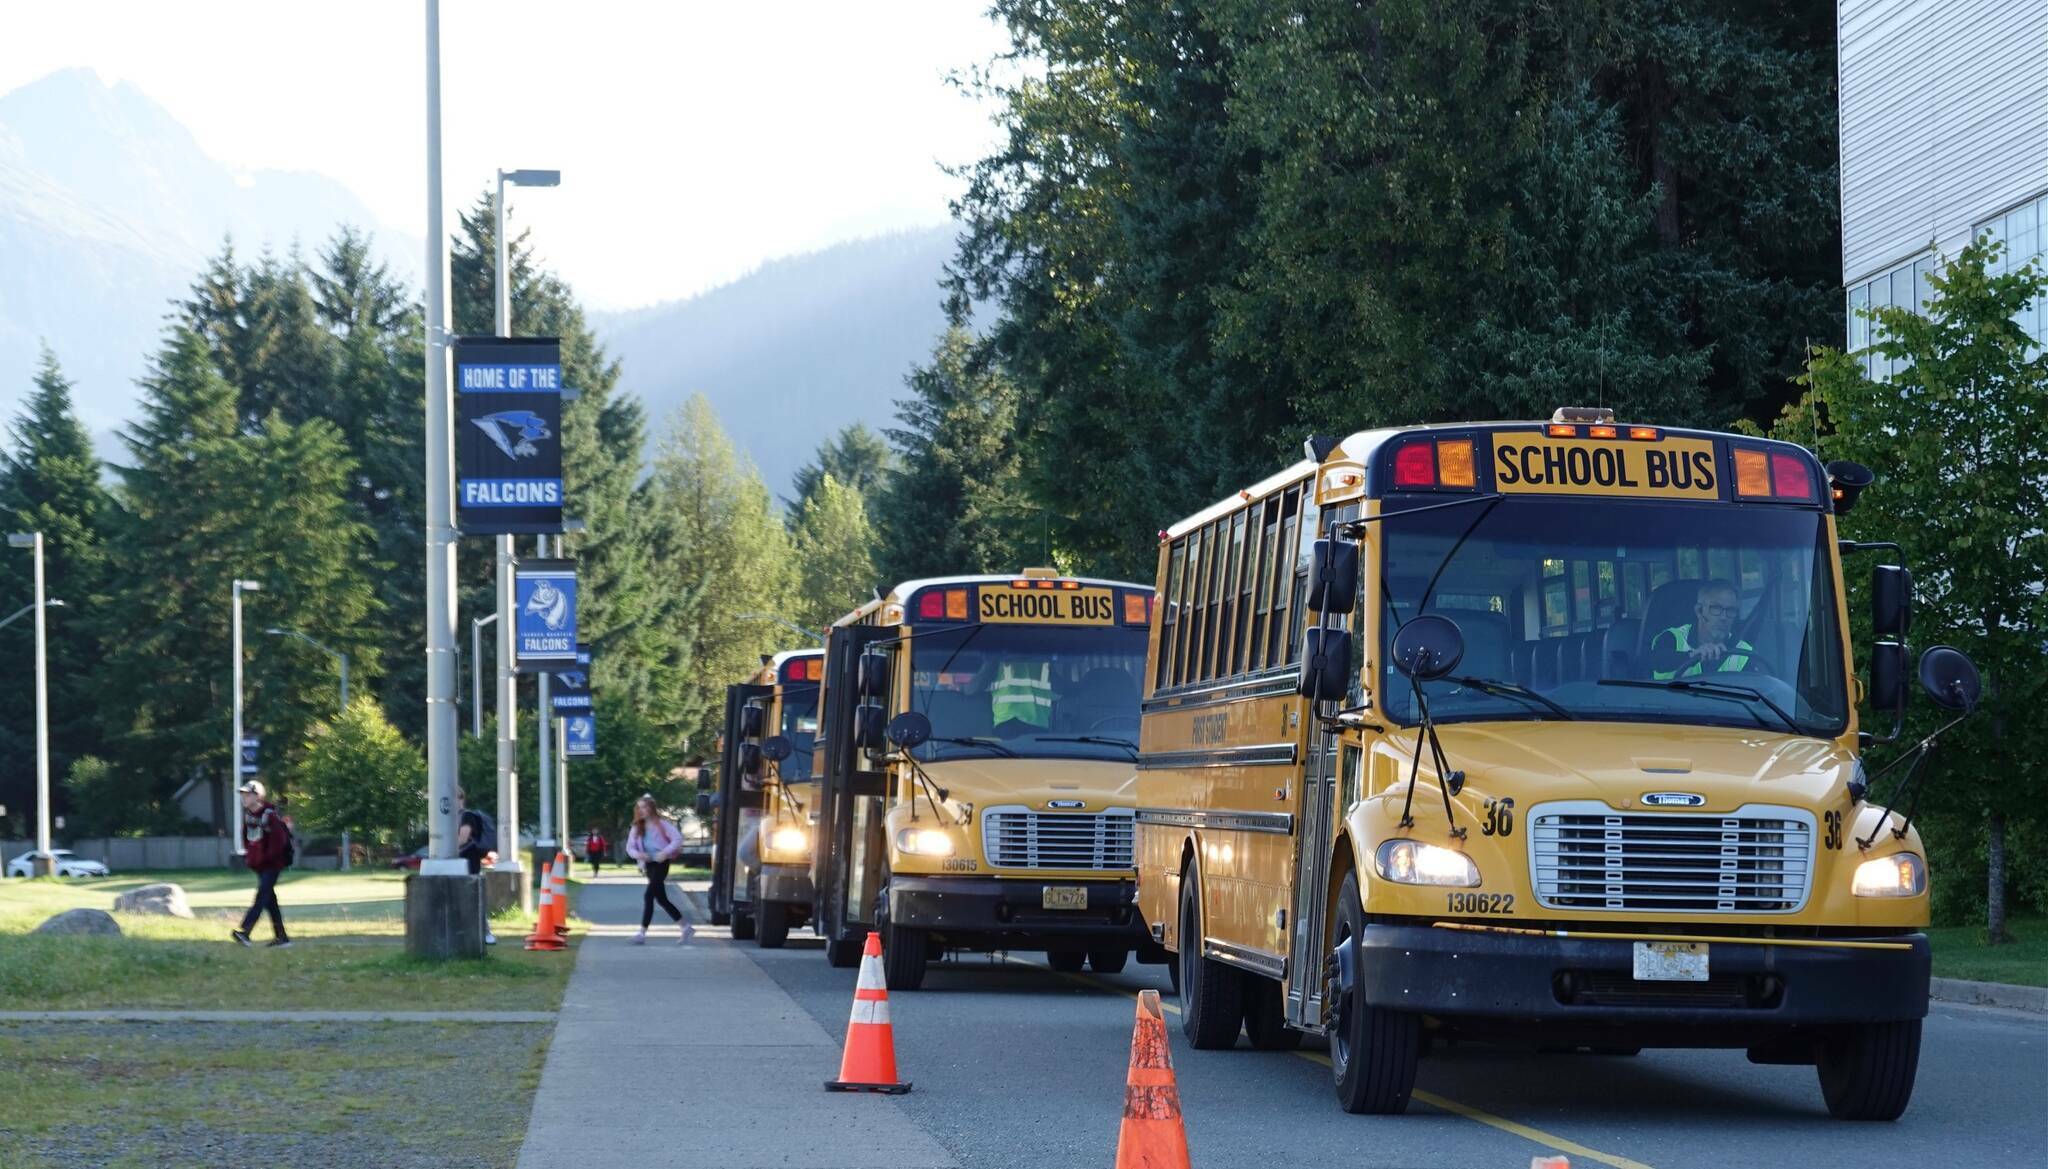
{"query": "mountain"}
pixel 108 210
pixel 795 350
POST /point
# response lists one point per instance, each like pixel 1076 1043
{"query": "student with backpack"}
pixel 476 836
pixel 268 848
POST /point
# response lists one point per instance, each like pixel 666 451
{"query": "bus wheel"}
pixel 904 957
pixel 1065 961
pixel 1265 1016
pixel 720 918
pixel 844 953
pixel 1373 1051
pixel 742 926
pixel 774 925
pixel 1108 961
pixel 1211 994
pixel 1866 1071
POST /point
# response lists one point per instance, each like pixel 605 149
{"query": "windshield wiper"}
pixel 1513 690
pixel 1713 690
pixel 1107 740
pixel 985 744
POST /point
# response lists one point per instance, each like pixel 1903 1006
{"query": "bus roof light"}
pixel 956 604
pixel 1561 430
pixel 814 669
pixel 1415 465
pixel 931 606
pixel 1454 459
pixel 1135 609
pixel 1643 433
pixel 1752 473
pixel 1070 584
pixel 1790 478
pixel 1603 431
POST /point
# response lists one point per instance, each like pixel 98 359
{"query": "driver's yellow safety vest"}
pixel 1022 693
pixel 1731 662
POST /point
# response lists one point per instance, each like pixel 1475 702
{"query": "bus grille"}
pixel 1585 855
pixel 1019 838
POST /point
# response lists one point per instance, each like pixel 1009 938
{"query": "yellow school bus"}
pixel 789 716
pixel 976 755
pixel 1535 732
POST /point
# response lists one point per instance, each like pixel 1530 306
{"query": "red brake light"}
pixel 931 606
pixel 1415 465
pixel 1790 478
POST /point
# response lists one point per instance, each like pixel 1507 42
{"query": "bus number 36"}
pixel 1498 818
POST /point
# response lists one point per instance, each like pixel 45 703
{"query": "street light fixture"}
pixel 25 610
pixel 476 674
pixel 792 626
pixel 44 864
pixel 330 651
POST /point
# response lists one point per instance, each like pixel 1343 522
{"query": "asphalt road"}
pixel 1017 1065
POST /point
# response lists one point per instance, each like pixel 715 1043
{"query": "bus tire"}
pixel 1265 1016
pixel 720 917
pixel 1108 961
pixel 774 925
pixel 742 925
pixel 904 957
pixel 1866 1071
pixel 1211 994
pixel 844 953
pixel 1066 961
pixel 1373 1051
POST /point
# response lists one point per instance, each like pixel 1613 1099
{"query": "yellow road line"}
pixel 1513 1128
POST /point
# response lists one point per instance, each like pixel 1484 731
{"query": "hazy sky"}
pixel 696 139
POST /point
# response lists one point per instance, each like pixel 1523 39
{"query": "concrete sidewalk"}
pixel 668 1055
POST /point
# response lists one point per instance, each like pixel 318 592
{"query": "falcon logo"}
pixel 550 604
pixel 573 679
pixel 514 431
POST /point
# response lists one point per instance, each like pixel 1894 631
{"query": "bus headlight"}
pixel 789 839
pixel 1411 862
pixel 1899 875
pixel 924 842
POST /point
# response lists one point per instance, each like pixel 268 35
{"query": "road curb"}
pixel 1991 994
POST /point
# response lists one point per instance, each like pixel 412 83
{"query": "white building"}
pixel 1944 137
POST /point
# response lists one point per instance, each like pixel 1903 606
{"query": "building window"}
pixel 2020 231
pixel 1903 287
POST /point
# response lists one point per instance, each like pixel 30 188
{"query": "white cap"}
pixel 252 786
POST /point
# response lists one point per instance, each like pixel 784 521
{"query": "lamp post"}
pixel 25 610
pixel 342 657
pixel 236 590
pixel 792 626
pixel 43 865
pixel 508 680
pixel 476 674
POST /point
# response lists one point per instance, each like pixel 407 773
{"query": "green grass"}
pixel 1960 952
pixel 349 929
pixel 130 1096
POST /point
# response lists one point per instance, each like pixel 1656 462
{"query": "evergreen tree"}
pixel 726 556
pixel 857 457
pixel 835 554
pixel 959 504
pixel 50 483
pixel 634 755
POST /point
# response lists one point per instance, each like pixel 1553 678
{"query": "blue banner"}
pixel 544 615
pixel 252 748
pixel 508 435
pixel 509 378
pixel 579 736
pixel 570 694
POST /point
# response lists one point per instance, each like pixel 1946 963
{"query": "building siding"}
pixel 1944 122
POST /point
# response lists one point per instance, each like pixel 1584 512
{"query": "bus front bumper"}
pixel 1010 913
pixel 789 884
pixel 1507 978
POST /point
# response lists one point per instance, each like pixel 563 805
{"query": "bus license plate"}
pixel 1671 961
pixel 1064 897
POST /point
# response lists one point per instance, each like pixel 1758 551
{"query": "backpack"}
pixel 486 837
pixel 291 839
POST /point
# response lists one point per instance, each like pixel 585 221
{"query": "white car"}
pixel 68 865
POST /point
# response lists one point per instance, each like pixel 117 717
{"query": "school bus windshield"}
pixel 1028 690
pixel 1622 611
pixel 800 726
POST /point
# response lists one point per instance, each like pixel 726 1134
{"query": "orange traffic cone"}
pixel 559 875
pixel 1550 1163
pixel 869 1064
pixel 543 936
pixel 1152 1136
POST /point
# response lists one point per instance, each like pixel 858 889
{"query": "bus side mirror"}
pixel 873 680
pixel 868 726
pixel 1846 481
pixel 1428 647
pixel 1325 665
pixel 909 729
pixel 1951 678
pixel 1333 576
pixel 1891 600
pixel 703 779
pixel 1888 678
pixel 703 803
pixel 750 760
pixel 776 748
pixel 751 718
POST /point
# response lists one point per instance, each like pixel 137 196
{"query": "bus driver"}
pixel 1708 642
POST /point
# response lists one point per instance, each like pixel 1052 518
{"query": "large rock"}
pixel 82 921
pixel 165 899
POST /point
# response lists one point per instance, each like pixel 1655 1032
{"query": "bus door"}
pixel 735 799
pixel 846 867
pixel 1313 836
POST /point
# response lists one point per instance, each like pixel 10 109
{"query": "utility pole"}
pixel 44 864
pixel 544 727
pixel 234 815
pixel 476 674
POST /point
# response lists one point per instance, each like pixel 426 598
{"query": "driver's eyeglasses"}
pixel 1718 610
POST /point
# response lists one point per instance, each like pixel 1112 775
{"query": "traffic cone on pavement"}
pixel 559 875
pixel 1152 1136
pixel 1550 1163
pixel 543 936
pixel 869 1064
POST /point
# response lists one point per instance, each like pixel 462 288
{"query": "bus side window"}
pixel 1169 613
pixel 1310 524
pixel 1277 650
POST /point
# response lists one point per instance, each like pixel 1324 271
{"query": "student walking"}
pixel 654 843
pixel 595 846
pixel 267 846
pixel 476 837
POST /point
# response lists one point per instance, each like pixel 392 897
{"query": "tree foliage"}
pixel 835 554
pixel 857 457
pixel 361 775
pixel 634 757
